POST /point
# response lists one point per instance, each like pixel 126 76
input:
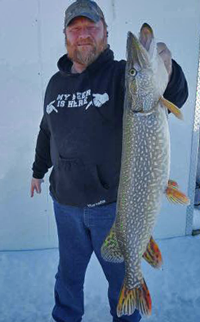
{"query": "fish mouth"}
pixel 136 54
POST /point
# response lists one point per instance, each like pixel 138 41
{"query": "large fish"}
pixel 145 165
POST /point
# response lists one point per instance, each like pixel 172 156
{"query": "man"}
pixel 80 136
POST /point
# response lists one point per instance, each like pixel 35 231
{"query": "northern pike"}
pixel 145 166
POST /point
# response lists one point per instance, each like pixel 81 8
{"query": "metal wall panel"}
pixel 25 221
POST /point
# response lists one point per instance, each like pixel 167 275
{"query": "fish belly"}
pixel 143 179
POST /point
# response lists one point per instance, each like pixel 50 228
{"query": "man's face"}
pixel 85 40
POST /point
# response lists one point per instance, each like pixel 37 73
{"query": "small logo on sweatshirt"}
pixel 76 100
pixel 98 100
pixel 50 108
pixel 101 202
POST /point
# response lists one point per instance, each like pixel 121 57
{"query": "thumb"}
pixel 166 56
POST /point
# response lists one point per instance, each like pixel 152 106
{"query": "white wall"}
pixel 31 41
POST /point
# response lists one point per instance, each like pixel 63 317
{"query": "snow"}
pixel 27 280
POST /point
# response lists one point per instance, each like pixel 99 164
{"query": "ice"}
pixel 27 281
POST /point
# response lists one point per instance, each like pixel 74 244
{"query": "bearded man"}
pixel 81 138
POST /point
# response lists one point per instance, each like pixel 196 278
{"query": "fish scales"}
pixel 144 175
pixel 144 169
pixel 143 179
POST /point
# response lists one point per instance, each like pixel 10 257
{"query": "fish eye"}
pixel 133 72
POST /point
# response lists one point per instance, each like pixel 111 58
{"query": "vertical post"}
pixel 194 158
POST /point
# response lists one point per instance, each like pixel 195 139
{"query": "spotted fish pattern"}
pixel 143 180
pixel 144 168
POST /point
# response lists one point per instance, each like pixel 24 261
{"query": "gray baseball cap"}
pixel 84 8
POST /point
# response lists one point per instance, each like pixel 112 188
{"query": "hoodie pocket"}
pixel 77 183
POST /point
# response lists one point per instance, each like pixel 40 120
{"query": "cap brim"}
pixel 90 16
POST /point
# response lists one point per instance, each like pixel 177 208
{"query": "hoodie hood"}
pixel 64 63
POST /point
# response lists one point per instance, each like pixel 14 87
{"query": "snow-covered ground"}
pixel 27 280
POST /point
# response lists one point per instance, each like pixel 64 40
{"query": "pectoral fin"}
pixel 172 108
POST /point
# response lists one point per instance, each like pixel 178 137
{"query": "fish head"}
pixel 146 77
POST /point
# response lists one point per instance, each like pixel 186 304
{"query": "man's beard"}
pixel 85 55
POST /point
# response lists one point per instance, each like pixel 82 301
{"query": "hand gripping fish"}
pixel 144 175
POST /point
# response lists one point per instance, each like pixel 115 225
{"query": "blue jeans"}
pixel 80 232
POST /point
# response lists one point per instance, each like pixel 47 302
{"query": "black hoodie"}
pixel 81 130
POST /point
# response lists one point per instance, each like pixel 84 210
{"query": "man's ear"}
pixel 105 32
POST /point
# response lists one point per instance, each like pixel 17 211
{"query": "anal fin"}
pixel 153 254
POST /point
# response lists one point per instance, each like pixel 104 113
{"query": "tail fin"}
pixel 110 250
pixel 136 298
pixel 153 254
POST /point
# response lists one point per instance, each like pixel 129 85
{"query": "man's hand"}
pixel 36 186
pixel 166 56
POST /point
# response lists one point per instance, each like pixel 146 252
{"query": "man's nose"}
pixel 84 33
